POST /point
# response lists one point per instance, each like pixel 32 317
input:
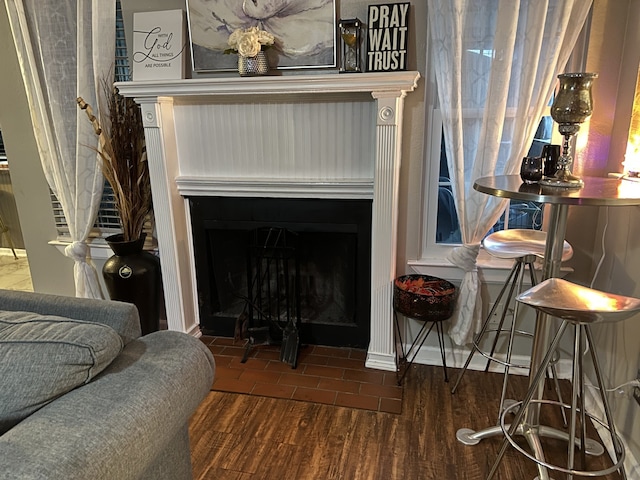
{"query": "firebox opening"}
pixel 333 250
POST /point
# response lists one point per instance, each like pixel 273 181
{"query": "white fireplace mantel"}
pixel 178 118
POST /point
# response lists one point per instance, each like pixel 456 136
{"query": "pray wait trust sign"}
pixel 387 42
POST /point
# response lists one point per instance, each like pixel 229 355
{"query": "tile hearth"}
pixel 327 375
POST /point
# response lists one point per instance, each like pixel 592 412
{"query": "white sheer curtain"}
pixel 496 63
pixel 65 48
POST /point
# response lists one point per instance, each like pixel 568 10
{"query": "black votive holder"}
pixel 550 156
pixel 531 169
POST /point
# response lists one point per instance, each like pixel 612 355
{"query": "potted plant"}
pixel 131 274
pixel 250 45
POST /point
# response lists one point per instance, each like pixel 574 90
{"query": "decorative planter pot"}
pixel 423 297
pixel 253 66
pixel 132 275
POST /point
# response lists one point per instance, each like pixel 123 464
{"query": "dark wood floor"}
pixel 242 437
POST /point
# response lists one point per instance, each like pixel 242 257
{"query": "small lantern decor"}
pixel 350 40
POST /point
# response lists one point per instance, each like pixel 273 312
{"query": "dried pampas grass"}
pixel 123 157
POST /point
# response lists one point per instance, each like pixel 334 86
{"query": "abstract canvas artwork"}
pixel 304 31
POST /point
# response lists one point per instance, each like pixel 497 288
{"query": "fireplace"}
pixel 333 251
pixel 299 136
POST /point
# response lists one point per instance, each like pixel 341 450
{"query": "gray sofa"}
pixel 129 421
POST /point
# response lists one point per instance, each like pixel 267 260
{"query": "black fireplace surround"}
pixel 334 253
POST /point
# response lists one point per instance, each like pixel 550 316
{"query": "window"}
pixel 108 221
pixel 441 230
pixel 520 214
pixel 122 70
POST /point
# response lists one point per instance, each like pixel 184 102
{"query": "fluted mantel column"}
pixel 172 226
pixel 381 353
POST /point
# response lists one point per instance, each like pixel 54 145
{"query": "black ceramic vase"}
pixel 132 275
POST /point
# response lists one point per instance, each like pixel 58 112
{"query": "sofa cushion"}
pixel 43 357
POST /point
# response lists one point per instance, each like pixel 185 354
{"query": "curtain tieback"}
pixel 465 257
pixel 77 250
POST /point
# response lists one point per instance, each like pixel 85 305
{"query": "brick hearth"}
pixel 328 375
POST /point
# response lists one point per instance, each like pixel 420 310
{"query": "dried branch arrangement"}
pixel 123 157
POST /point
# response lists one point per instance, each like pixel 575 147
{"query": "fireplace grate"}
pixel 272 306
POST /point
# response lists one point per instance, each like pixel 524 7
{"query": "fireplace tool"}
pixel 273 302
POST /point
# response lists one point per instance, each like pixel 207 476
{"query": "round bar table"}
pixel 596 191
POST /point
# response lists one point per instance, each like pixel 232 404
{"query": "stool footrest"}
pixel 592 447
pixel 496 359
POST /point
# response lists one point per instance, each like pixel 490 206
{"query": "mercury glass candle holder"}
pixel 572 105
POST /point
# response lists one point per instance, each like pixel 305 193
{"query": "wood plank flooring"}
pixel 243 437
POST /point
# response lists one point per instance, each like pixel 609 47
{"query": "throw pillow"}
pixel 43 357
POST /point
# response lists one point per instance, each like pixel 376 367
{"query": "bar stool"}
pixel 523 246
pixel 581 307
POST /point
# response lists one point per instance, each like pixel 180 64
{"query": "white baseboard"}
pixel 6 252
pixel 595 407
pixel 457 356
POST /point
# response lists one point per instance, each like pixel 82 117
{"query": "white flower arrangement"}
pixel 249 41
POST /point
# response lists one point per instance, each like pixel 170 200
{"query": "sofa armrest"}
pixel 115 426
pixel 122 317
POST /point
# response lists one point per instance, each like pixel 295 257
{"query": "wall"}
pixel 413 131
pixel 9 213
pixel 31 191
pixel 51 272
pixel 30 187
pixel 614 54
pixel 33 200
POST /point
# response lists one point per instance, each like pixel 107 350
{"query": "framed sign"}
pixel 304 31
pixel 159 41
pixel 387 37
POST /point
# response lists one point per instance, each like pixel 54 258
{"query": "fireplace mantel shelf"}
pixel 313 136
pixel 378 84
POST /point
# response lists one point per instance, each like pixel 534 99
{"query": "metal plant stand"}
pixel 426 299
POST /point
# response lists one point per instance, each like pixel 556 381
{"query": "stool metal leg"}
pixel 484 327
pixel 517 280
pixel 618 448
pixel 514 282
pixel 577 388
pixel 552 366
pixel 554 378
pixel 507 365
pixel 578 415
pixel 513 427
